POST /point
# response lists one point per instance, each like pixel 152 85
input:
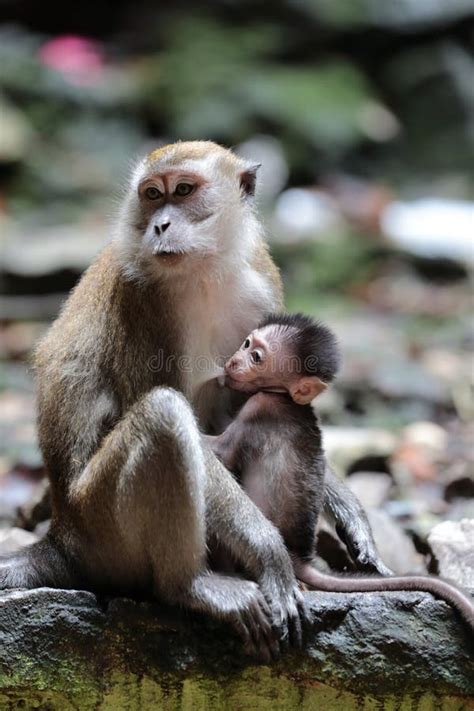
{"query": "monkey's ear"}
pixel 248 179
pixel 306 389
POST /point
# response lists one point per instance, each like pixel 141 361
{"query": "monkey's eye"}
pixel 247 343
pixel 153 193
pixel 256 356
pixel 183 189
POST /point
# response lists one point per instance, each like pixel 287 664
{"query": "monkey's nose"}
pixel 232 364
pixel 159 229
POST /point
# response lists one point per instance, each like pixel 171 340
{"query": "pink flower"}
pixel 78 59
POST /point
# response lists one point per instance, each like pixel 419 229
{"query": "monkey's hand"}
pixel 285 600
pixel 361 547
pixel 352 525
pixel 241 604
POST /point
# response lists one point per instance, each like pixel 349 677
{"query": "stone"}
pixel 395 547
pixel 66 649
pixel 14 539
pixel 452 543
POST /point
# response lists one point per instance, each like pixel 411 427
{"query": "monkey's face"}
pixel 262 362
pixel 189 207
pixel 174 207
pixel 268 360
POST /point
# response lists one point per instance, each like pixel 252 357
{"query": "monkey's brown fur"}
pixel 274 446
pixel 135 496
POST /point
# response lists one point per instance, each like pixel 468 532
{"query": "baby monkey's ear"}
pixel 306 389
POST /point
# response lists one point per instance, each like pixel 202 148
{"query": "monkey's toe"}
pixel 264 640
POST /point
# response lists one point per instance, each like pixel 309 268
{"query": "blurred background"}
pixel 362 114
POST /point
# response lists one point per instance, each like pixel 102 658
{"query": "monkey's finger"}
pixel 293 621
pixel 242 630
pixel 258 640
pixel 280 625
pixel 265 607
pixel 380 568
pixel 273 642
pixel 303 609
pixel 261 617
pixel 259 629
pixel 274 645
pixel 296 631
pixel 267 631
pixel 305 614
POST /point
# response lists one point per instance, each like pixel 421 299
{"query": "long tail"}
pixel 437 587
pixel 38 565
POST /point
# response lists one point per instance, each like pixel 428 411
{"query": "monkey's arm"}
pixel 234 520
pixel 227 445
pixel 352 524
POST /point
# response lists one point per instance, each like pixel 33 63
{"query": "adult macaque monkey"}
pixel 135 496
pixel 274 446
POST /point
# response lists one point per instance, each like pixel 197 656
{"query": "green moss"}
pixel 70 686
pixel 66 681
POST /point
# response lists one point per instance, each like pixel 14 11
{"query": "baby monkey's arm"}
pixel 227 445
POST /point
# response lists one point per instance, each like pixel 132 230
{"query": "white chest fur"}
pixel 220 313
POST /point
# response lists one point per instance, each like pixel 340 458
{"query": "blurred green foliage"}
pixel 318 75
pixel 380 90
pixel 376 91
pixel 321 271
pixel 225 82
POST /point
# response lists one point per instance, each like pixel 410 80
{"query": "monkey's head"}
pixel 189 205
pixel 287 353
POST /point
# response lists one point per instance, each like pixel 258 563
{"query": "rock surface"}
pixel 394 546
pixel 64 649
pixel 452 543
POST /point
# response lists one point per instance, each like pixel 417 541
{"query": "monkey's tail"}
pixel 437 587
pixel 38 565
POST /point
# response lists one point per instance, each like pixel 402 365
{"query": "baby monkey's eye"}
pixel 183 189
pixel 256 356
pixel 153 193
pixel 247 343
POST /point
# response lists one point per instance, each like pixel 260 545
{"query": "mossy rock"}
pixel 67 649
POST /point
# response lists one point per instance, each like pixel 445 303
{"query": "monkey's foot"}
pixel 240 603
pixel 288 610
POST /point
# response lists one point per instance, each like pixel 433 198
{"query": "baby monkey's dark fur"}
pixel 274 447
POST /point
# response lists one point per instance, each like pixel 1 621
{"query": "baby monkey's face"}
pixel 268 360
pixel 259 363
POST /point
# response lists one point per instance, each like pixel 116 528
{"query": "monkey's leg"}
pixel 42 564
pixel 352 524
pixel 142 503
pixel 235 521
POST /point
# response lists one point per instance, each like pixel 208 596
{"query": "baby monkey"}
pixel 274 446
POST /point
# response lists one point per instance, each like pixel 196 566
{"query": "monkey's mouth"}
pixel 168 256
pixel 241 385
